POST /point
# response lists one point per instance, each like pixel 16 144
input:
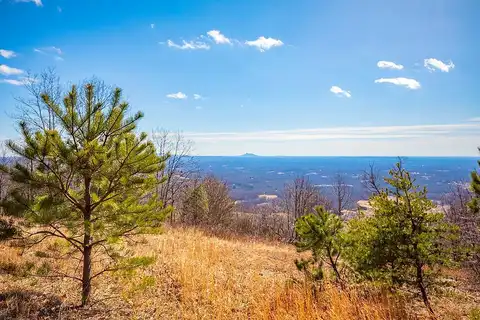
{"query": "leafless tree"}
pixel 220 205
pixel 371 180
pixel 457 211
pixel 31 108
pixel 180 165
pixel 207 202
pixel 299 198
pixel 341 194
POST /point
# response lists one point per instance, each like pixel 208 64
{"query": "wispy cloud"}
pixel 218 37
pixel 18 82
pixel 433 64
pixel 38 3
pixel 9 71
pixel 404 82
pixel 198 107
pixel 178 95
pixel 264 44
pixel 51 52
pixel 197 96
pixel 476 119
pixel 340 92
pixel 389 65
pixel 380 132
pixel 59 9
pixel 188 45
pixel 7 54
pixel 152 25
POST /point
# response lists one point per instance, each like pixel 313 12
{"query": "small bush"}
pixel 44 269
pixel 474 314
pixel 41 254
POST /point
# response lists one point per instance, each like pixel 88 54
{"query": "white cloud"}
pixel 18 82
pixel 405 82
pixel 178 95
pixel 12 81
pixel 340 92
pixel 7 54
pixel 197 96
pixel 49 50
pixel 433 64
pixel 8 71
pixel 38 3
pixel 198 107
pixel 378 132
pixel 218 37
pixel 476 119
pixel 190 45
pixel 389 65
pixel 264 44
pixel 152 25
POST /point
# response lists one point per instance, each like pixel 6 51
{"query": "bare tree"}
pixel 371 179
pixel 455 205
pixel 220 205
pixel 299 198
pixel 31 108
pixel 180 166
pixel 341 194
pixel 207 202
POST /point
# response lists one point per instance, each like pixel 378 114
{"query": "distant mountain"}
pixel 249 155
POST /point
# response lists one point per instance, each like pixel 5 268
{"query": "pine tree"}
pixel 404 240
pixel 195 206
pixel 321 233
pixel 474 245
pixel 475 185
pixel 94 179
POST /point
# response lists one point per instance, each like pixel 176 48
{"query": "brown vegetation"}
pixel 196 276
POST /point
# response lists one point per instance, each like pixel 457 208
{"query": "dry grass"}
pixel 196 276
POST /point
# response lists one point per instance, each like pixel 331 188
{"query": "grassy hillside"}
pixel 196 276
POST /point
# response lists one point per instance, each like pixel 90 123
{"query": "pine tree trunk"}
pixel 87 248
pixel 87 264
pixel 421 286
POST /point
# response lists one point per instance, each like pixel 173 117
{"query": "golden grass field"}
pixel 196 276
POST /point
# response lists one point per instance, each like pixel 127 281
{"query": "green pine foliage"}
pixel 475 185
pixel 321 233
pixel 404 241
pixel 94 180
pixel 195 206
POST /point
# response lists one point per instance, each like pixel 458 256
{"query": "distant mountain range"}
pixel 249 155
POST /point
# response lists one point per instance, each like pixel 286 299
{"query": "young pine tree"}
pixel 404 240
pixel 195 206
pixel 94 179
pixel 321 233
pixel 475 185
pixel 474 246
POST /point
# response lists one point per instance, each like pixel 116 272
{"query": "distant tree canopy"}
pixel 94 179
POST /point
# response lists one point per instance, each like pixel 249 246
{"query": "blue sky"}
pixel 271 77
